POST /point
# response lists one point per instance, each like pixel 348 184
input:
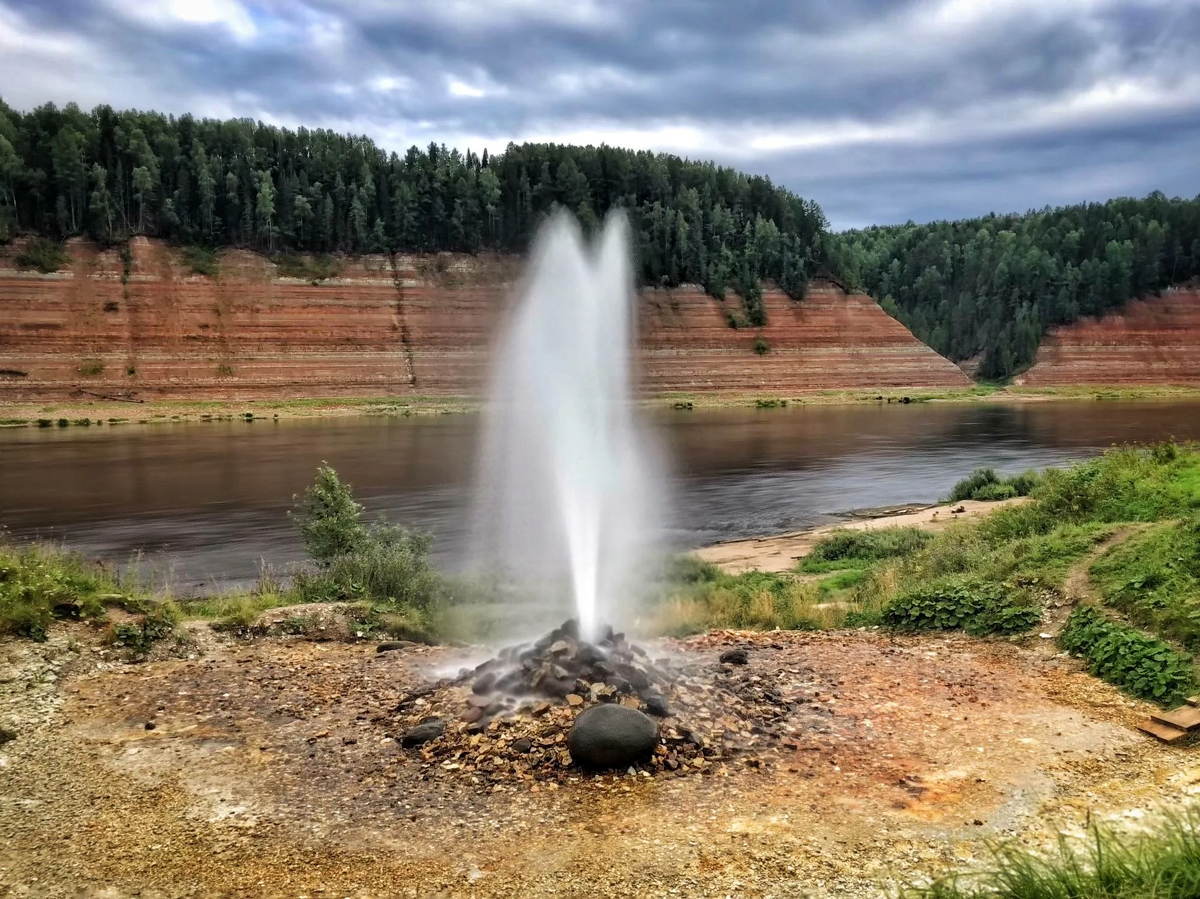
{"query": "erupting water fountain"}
pixel 569 508
pixel 569 486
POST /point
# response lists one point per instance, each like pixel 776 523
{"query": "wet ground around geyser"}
pixel 273 769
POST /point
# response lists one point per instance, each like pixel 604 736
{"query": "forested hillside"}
pixel 986 287
pixel 991 286
pixel 113 174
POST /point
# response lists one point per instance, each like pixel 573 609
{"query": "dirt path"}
pixel 272 770
pixel 1077 586
pixel 781 552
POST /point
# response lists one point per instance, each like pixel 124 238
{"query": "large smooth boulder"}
pixel 612 736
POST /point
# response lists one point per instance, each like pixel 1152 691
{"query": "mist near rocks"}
pixel 570 500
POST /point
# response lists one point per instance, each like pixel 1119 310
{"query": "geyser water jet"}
pixel 568 487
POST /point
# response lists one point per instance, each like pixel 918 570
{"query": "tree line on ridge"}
pixel 984 289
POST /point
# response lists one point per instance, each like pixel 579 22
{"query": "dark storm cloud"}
pixel 879 110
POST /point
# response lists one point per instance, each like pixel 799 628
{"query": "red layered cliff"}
pixel 1153 341
pixel 149 325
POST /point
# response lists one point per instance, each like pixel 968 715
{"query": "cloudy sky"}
pixel 881 110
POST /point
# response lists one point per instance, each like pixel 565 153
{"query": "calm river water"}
pixel 206 503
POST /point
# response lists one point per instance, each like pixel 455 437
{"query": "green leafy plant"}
pixel 380 563
pixel 157 622
pixel 91 367
pixel 979 609
pixel 1137 663
pixel 761 347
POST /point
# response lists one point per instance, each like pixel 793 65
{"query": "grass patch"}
pixel 202 261
pixel 1139 664
pixel 1161 864
pixel 985 485
pixel 1154 579
pixel 39 585
pixel 44 255
pixel 89 368
pixel 846 547
pixel 697 596
pixel 1124 484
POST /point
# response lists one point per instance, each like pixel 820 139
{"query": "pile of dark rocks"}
pixel 544 710
pixel 563 666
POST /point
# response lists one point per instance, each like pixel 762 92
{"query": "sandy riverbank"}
pixel 781 552
pixel 95 409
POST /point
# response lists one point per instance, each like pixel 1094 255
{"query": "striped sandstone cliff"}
pixel 148 326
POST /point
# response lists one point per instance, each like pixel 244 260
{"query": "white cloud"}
pixel 458 88
pixel 170 14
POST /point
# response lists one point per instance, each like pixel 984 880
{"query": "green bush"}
pixel 689 569
pixel 379 563
pixel 1161 864
pixel 1124 484
pixel 391 566
pixel 202 261
pixel 47 256
pixel 985 485
pixel 328 518
pixel 1139 664
pixel 91 367
pixel 314 270
pixel 860 546
pixel 977 608
pixel 761 347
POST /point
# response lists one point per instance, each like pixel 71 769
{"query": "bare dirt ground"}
pixel 781 552
pixel 272 769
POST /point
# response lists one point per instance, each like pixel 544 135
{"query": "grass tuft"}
pixel 1161 864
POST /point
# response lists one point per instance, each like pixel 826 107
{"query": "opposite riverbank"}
pixel 92 410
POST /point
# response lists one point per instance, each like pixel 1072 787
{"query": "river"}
pixel 205 504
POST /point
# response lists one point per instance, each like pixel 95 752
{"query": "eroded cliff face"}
pixel 1153 341
pixel 148 326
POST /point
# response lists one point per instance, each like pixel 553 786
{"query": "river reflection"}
pixel 207 502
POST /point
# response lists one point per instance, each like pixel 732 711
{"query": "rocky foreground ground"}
pixel 275 768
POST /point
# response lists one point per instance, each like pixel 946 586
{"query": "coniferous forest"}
pixel 985 288
pixel 990 287
pixel 113 174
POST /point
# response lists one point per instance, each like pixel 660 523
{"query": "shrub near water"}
pixel 383 565
pixel 985 485
pixel 1141 665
